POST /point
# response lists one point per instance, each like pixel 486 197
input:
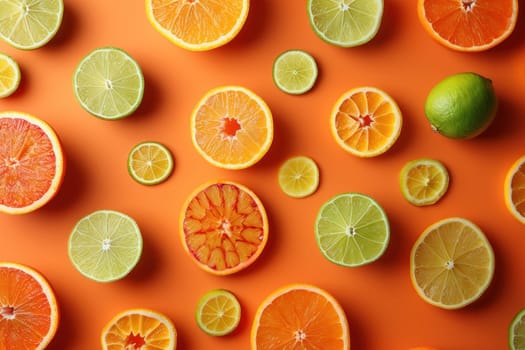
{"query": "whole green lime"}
pixel 462 105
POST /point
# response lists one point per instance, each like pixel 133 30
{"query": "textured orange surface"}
pixel 383 309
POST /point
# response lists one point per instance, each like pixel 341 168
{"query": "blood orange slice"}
pixel 31 163
pixel 224 227
pixel 28 308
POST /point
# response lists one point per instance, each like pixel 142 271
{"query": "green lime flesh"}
pixel 517 331
pixel 218 312
pixel 109 83
pixel 345 23
pixel 352 229
pixel 295 72
pixel 461 106
pixel 105 245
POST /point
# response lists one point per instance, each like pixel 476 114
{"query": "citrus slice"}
pixel 517 331
pixel 515 189
pixel 198 25
pixel 232 127
pixel 300 316
pixel 294 72
pixel 31 163
pixel 108 83
pixel 105 245
pixel 223 227
pixel 423 181
pixel 451 263
pixel 150 163
pixel 27 24
pixel 218 312
pixel 352 229
pixel 468 25
pixel 365 121
pixel 9 75
pixel 139 329
pixel 345 23
pixel 29 313
pixel 299 176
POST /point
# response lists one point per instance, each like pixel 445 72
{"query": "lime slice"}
pixel 150 163
pixel 9 75
pixel 109 83
pixel 352 229
pixel 218 312
pixel 29 24
pixel 517 331
pixel 423 181
pixel 294 72
pixel 105 245
pixel 345 23
pixel 299 177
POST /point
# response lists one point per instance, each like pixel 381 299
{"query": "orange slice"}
pixel 31 163
pixel 198 25
pixel 139 329
pixel 515 189
pixel 223 227
pixel 468 25
pixel 232 127
pixel 365 121
pixel 29 313
pixel 300 316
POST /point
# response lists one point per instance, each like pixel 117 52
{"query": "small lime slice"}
pixel 294 72
pixel 105 245
pixel 423 181
pixel 517 331
pixel 27 24
pixel 218 312
pixel 299 177
pixel 345 23
pixel 9 75
pixel 352 229
pixel 109 83
pixel 150 163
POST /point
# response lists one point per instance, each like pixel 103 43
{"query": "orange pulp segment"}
pixel 300 316
pixel 29 314
pixel 468 25
pixel 31 163
pixel 139 329
pixel 232 127
pixel 198 25
pixel 515 189
pixel 365 121
pixel 223 227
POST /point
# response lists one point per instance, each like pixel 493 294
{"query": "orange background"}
pixel 383 310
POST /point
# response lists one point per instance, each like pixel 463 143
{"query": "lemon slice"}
pixel 218 312
pixel 9 75
pixel 295 72
pixel 423 181
pixel 299 177
pixel 28 24
pixel 150 163
pixel 105 245
pixel 108 83
pixel 451 263
pixel 345 23
pixel 352 229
